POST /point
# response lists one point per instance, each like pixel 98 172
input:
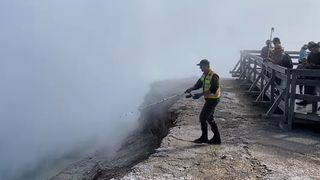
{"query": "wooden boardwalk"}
pixel 276 87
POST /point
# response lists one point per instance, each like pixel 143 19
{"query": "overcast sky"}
pixel 69 68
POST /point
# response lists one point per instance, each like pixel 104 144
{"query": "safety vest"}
pixel 206 84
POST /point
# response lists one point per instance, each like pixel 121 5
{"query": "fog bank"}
pixel 69 69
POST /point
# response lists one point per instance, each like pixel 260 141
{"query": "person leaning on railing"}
pixel 312 62
pixel 280 58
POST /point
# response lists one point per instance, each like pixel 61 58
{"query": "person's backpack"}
pixel 287 61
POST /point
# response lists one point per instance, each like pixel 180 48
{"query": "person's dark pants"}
pixel 300 66
pixel 311 90
pixel 206 115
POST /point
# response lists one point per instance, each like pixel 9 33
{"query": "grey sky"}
pixel 69 68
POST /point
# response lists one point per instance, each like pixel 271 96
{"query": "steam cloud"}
pixel 69 69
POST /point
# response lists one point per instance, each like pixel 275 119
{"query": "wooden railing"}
pixel 276 86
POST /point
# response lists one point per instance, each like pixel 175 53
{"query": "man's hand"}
pixel 188 90
pixel 197 96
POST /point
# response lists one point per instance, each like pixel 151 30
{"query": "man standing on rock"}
pixel 209 82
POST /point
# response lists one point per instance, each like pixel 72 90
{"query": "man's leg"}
pixel 216 137
pixel 204 115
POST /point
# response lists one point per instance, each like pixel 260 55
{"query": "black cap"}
pixel 203 62
pixel 276 40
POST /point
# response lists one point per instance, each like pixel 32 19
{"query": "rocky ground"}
pixel 252 147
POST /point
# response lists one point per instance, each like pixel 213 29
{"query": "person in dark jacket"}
pixel 266 50
pixel 209 82
pixel 312 62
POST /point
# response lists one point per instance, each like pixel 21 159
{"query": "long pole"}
pixel 272 30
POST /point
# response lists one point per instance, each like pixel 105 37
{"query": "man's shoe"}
pixel 302 103
pixel 215 140
pixel 201 140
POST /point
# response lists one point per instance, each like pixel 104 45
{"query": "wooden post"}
pixel 255 70
pixel 263 68
pixel 272 81
pixel 287 96
pixel 242 67
pixel 292 100
pixel 275 105
pixel 263 92
pixel 314 107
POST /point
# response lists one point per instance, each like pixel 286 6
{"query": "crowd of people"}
pixel 309 58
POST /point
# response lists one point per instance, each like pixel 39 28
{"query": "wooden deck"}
pixel 260 79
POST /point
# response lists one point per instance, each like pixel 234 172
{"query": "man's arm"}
pixel 198 85
pixel 309 65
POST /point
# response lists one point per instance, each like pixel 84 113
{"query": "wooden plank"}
pixel 292 52
pixel 235 75
pixel 260 97
pixel 306 72
pixel 276 67
pixel 278 87
pixel 307 97
pixel 281 75
pixel 266 77
pixel 254 84
pixel 309 82
pixel 275 104
pixel 282 106
pixel 236 66
pixel 311 117
pixel 252 51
